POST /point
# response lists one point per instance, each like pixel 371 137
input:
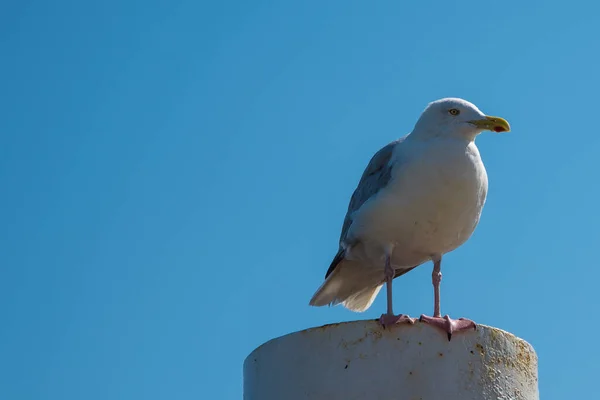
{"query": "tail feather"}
pixel 362 300
pixel 352 284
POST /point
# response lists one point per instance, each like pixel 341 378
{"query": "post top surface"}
pixel 355 332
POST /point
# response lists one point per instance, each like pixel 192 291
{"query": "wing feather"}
pixel 374 178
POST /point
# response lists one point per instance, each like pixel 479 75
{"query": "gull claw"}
pixel 448 324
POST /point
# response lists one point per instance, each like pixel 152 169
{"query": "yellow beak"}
pixel 495 124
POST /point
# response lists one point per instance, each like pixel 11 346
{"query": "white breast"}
pixel 431 205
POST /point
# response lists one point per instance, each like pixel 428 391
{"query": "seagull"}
pixel 420 197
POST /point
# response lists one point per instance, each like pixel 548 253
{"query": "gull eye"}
pixel 453 111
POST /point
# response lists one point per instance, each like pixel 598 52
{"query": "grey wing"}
pixel 375 177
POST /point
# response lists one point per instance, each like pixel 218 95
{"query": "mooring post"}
pixel 361 360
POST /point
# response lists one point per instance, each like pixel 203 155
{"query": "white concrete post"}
pixel 362 361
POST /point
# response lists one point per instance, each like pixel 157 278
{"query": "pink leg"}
pixel 389 318
pixel 445 323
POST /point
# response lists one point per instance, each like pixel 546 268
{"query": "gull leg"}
pixel 389 318
pixel 445 323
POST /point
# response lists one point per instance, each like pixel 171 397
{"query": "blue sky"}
pixel 175 175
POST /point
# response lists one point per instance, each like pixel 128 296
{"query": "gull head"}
pixel 457 117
